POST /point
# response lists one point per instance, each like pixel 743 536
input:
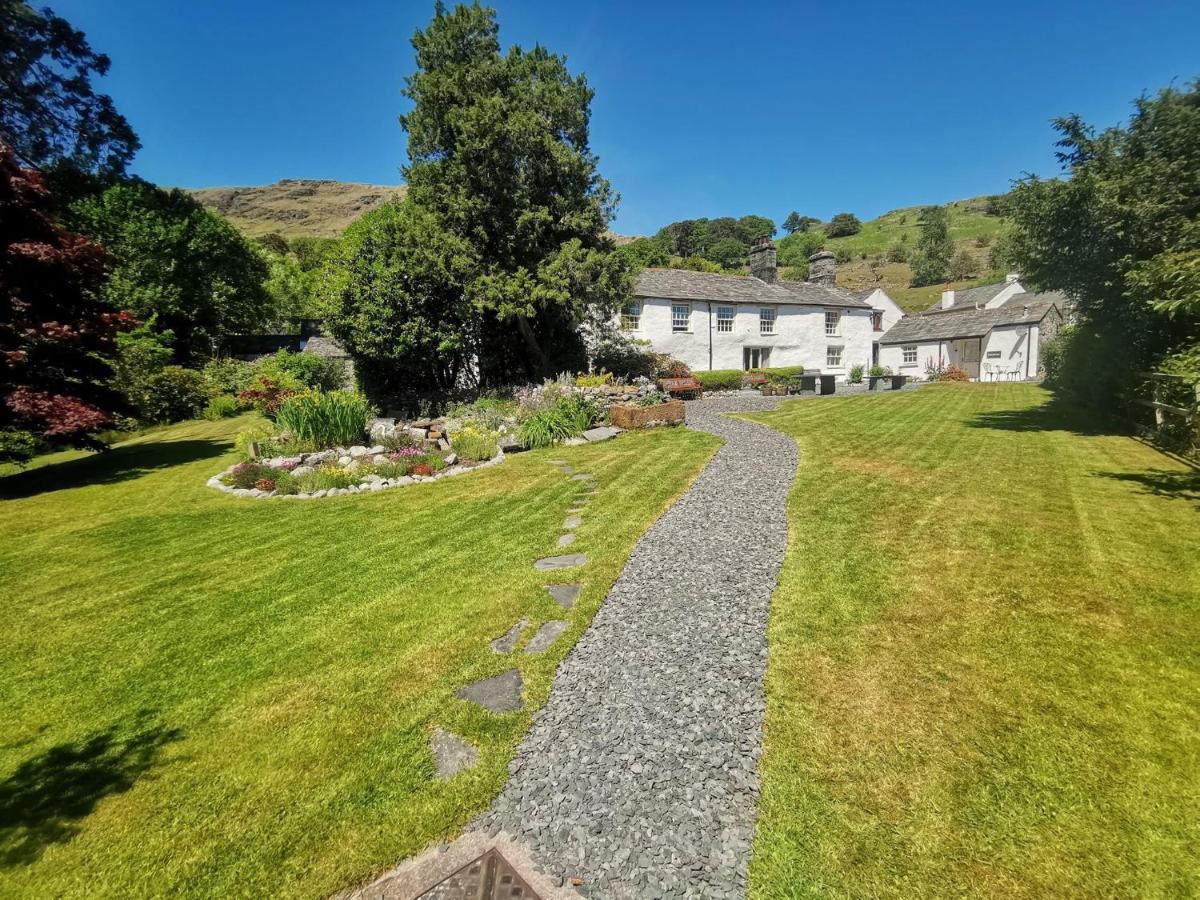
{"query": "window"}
pixel 877 320
pixel 908 354
pixel 631 319
pixel 766 320
pixel 832 319
pixel 833 357
pixel 725 318
pixel 681 314
pixel 755 358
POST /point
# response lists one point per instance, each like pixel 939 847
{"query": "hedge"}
pixel 721 379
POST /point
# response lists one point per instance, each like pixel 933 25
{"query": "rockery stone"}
pixel 640 774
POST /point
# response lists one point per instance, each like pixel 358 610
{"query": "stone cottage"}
pixel 755 321
pixel 995 332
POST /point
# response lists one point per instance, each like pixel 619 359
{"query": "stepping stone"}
pixel 565 540
pixel 572 521
pixel 583 476
pixel 546 635
pixel 566 470
pixel 574 442
pixel 564 595
pixel 507 642
pixel 569 561
pixel 500 693
pixel 452 754
pixel 557 462
pixel 603 433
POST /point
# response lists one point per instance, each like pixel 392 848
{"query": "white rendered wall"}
pixel 891 356
pixel 1016 349
pixel 799 338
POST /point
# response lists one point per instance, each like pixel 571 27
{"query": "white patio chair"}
pixel 987 368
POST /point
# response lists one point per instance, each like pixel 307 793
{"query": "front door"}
pixel 967 353
pixel 755 358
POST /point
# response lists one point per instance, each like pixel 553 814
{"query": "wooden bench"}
pixel 688 388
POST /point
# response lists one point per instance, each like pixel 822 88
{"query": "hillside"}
pixel 294 207
pixel 972 228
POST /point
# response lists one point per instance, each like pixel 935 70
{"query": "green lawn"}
pixel 210 696
pixel 984 661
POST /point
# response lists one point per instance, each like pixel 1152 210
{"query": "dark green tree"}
pixel 499 155
pixel 1120 234
pixel 792 223
pixel 177 263
pixel 931 258
pixel 843 225
pixel 645 252
pixel 49 112
pixel 729 253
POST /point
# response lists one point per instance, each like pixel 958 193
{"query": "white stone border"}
pixel 374 487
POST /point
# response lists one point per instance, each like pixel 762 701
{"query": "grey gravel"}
pixel 568 561
pixel 507 642
pixel 640 773
pixel 500 693
pixel 451 754
pixel 564 595
pixel 546 635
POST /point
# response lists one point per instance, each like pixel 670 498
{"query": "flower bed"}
pixel 341 471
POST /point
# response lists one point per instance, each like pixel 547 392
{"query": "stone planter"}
pixel 629 417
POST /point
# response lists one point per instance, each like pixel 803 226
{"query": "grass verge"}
pixel 984 656
pixel 206 696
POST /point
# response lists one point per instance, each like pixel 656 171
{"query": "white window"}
pixel 908 354
pixel 725 318
pixel 755 358
pixel 766 320
pixel 832 319
pixel 833 356
pixel 631 319
pixel 681 314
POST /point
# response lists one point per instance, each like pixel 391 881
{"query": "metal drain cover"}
pixel 490 877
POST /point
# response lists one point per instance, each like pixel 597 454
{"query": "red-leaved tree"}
pixel 57 338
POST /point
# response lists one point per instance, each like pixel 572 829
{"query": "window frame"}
pixel 834 329
pixel 631 317
pixel 726 321
pixel 767 320
pixel 877 320
pixel 841 356
pixel 687 318
pixel 904 354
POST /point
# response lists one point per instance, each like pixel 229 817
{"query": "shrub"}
pixel 896 253
pixel 843 224
pixel 398 440
pixel 654 398
pixel 472 442
pixel 266 395
pixel 600 380
pixel 879 371
pixel 226 375
pixel 626 358
pixel 172 394
pixel 953 373
pixel 222 407
pixel 721 379
pixel 670 367
pixel 17 445
pixel 286 482
pixel 318 419
pixel 258 435
pixel 489 413
pixel 390 468
pixel 317 372
pixel 248 474
pixel 856 374
pixel 422 469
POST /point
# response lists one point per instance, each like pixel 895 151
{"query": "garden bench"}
pixel 688 388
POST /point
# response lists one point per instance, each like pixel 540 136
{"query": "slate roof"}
pixel 683 284
pixel 971 297
pixel 1023 309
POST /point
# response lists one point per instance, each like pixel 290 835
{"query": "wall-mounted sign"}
pixel 993 354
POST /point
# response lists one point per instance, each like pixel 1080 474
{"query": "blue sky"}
pixel 701 109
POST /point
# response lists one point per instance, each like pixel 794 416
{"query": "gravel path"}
pixel 640 774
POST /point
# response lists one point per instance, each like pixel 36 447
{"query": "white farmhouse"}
pixel 995 332
pixel 757 321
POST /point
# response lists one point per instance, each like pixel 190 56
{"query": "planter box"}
pixel 629 417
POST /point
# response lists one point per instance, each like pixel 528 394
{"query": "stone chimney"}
pixel 947 299
pixel 822 268
pixel 762 260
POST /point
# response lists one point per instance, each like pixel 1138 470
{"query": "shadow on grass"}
pixel 108 466
pixel 1053 415
pixel 43 801
pixel 1162 483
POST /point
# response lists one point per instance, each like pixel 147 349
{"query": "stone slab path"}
pixel 639 776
